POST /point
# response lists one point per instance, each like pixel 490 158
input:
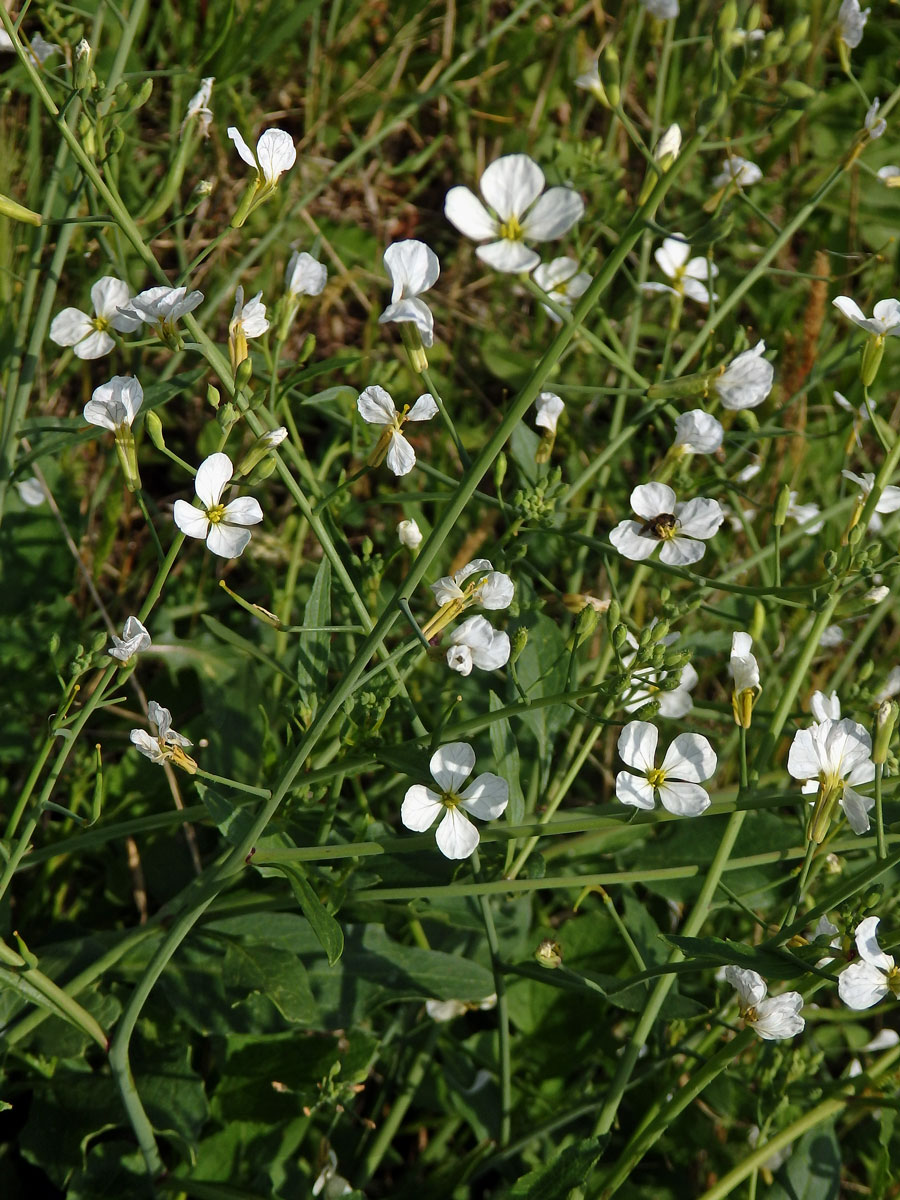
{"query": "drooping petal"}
pixel 227 541
pixel 494 655
pixel 553 215
pixel 778 1017
pixel 690 757
pixel 683 799
pixel 456 836
pixel 695 290
pixel 148 746
pixel 276 153
pixel 744 667
pixel 192 522
pixel 415 311
pixel 486 797
pixel 305 275
pixel 681 552
pixel 511 184
pixel 888 313
pixel 508 256
pixel 424 408
pixel 637 745
pixel 463 209
pixel 400 458
pixel 861 985
pixel 868 947
pixel 213 476
pixel 749 985
pixel 700 517
pixel 420 809
pixel 241 146
pixel 496 591
pixel 650 499
pixel 629 541
pixel 634 790
pixel 699 432
pixel 413 268
pixel 857 808
pixel 376 406
pixel 451 765
pixel 825 708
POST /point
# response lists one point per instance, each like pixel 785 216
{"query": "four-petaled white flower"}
pixel 698 432
pixel 475 643
pixel 689 275
pixel 198 106
pixel 665 10
pixel 851 22
pixel 747 379
pixel 834 756
pixel 689 760
pixel 275 154
pixel 161 307
pixel 874 975
pixel 305 275
pixel 134 639
pixel 410 534
pixel 413 268
pixel 562 281
pixel 328 1183
pixel 772 1018
pixel 512 187
pixel 168 745
pixel 89 336
pixel 549 409
pixel 486 798
pixel 885 319
pixel 222 525
pixel 377 408
pixel 739 171
pixel 250 318
pixel 875 125
pixel 446 1010
pixel 675 525
pixel 494 591
pixel 888 501
pixel 115 404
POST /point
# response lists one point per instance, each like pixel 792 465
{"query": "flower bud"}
pixel 830 561
pixel 796 90
pixel 885 720
pixel 18 212
pixel 619 636
pixel 873 352
pixel 727 21
pixel 647 711
pixel 415 350
pixel 154 428
pixel 410 534
pixel 659 631
pixel 263 446
pixel 781 505
pixel 676 659
pixel 82 65
pixel 608 67
pixel 500 466
pixel 519 641
pixel 213 396
pixel 588 620
pixel 613 615
pixel 549 954
pixel 753 18
pixel 201 190
pixel 242 373
pixel 797 31
pixel 227 415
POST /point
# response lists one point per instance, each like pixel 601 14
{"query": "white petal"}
pixel 637 745
pixel 888 313
pixel 825 708
pixel 108 295
pixel 850 309
pixel 463 209
pixel 413 268
pixel 213 476
pixel 681 552
pixel 779 1017
pixel 652 289
pixel 507 256
pixel 496 591
pixel 683 799
pixel 549 409
pixel 673 704
pixel 423 409
pixel 494 655
pixel 459 658
pixel 400 458
pixel 690 757
pixel 452 765
pixel 695 290
pixel 699 432
pixel 672 255
pixel 555 213
pixel 102 413
pixel 243 510
pixel 700 518
pixel 70 326
pixel 511 184
pixel 803 757
pixel 629 541
pixel 305 275
pixel 650 499
pixel 376 406
pixel 241 146
pixel 94 346
pixel 750 986
pixel 191 521
pixel 634 790
pixel 889 501
pixel 228 541
pixel 420 809
pixel 857 808
pixel 861 985
pixel 276 154
pixel 147 745
pixel 415 311
pixel 487 797
pixel 867 944
pixel 456 836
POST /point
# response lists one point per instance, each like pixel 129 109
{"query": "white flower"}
pixel 665 10
pixel 305 275
pixel 410 534
pixel 832 636
pixel 161 307
pixel 31 491
pixel 486 798
pixel 739 171
pixel 890 175
pixel 446 1010
pixel 825 708
pixel 885 319
pixel 88 336
pixel 664 520
pixel 275 154
pixel 413 268
pixel 889 500
pixel 742 664
pixel 222 525
pixel 851 21
pixel 328 1183
pixel 772 1019
pixel 115 404
pixel 689 760
pixel 834 756
pixel 377 408
pixel 747 379
pixel 698 432
pixel 562 281
pixel 875 125
pixel 512 187
pixel 891 685
pixel 885 1039
pixel 589 81
pixel 668 147
pixel 806 515
pixel 168 745
pixel 494 591
pixel 476 643
pixel 198 106
pixel 549 409
pixel 250 318
pixel 689 275
pixel 134 639
pixel 40 49
pixel 675 703
pixel 874 975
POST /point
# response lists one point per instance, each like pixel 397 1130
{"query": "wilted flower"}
pixel 493 590
pixel 851 22
pixel 446 1010
pixel 89 336
pixel 114 405
pixel 772 1019
pixel 134 639
pixel 665 521
pixel 562 281
pixel 275 154
pixel 875 125
pixel 305 275
pixel 198 106
pixel 161 307
pixel 689 760
pixel 413 268
pixel 589 81
pixel 486 798
pixel 410 534
pixel 549 409
pixel 476 643
pixel 328 1183
pixel 247 321
pixel 512 187
pixel 689 275
pixel 745 673
pixel 167 745
pixel 222 525
pixel 376 406
pixel 739 171
pixel 747 379
pixel 834 757
pixel 698 432
pixel 874 975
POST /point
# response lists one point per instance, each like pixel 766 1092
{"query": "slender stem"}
pixel 490 930
pixel 879 815
pixel 791 913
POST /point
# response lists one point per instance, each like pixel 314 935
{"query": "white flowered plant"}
pixel 549 408
pixel 88 336
pixel 161 308
pixel 689 761
pixel 562 281
pixel 485 798
pixel 328 1183
pixel 680 528
pixel 889 175
pixel 517 212
pixel 135 638
pixel 492 590
pixel 689 275
pixel 114 405
pixel 167 745
pixel 222 526
pixel 834 757
pixel 888 501
pixel 377 408
pixel 698 432
pixel 874 975
pixel 745 672
pixel 413 268
pixel 646 684
pixel 304 275
pixel 31 491
pixel 738 171
pixel 851 22
pixel 475 643
pixel 247 321
pixel 410 534
pixel 773 1018
pixel 746 381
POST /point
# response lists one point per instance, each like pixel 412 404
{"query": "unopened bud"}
pixel 410 534
pixel 647 711
pixel 873 352
pixel 608 67
pixel 82 65
pixel 619 636
pixel 613 615
pixel 781 505
pixel 242 374
pixel 830 561
pixel 415 350
pixel 142 96
pixel 154 428
pixel 772 41
pixel 519 641
pixel 676 659
pixel 659 631
pixel 797 31
pixel 885 721
pixel 796 90
pixel 201 190
pixel 500 466
pixel 18 212
pixel 213 396
pixel 753 18
pixel 227 415
pixel 588 620
pixel 854 537
pixel 262 447
pixel 727 21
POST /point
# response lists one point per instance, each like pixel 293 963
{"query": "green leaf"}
pixel 813 1171
pixel 312 655
pixel 224 634
pixel 232 822
pixel 276 974
pixel 773 964
pixel 556 1179
pixel 506 757
pixel 324 926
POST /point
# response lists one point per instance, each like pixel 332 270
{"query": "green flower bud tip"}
pixel 781 505
pixel 885 721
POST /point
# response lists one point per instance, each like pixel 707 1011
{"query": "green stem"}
pixel 490 930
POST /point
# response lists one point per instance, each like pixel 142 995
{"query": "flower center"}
pixel 893 980
pixel 216 514
pixel 101 324
pixel 662 527
pixel 656 777
pixel 511 230
pixel 450 799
